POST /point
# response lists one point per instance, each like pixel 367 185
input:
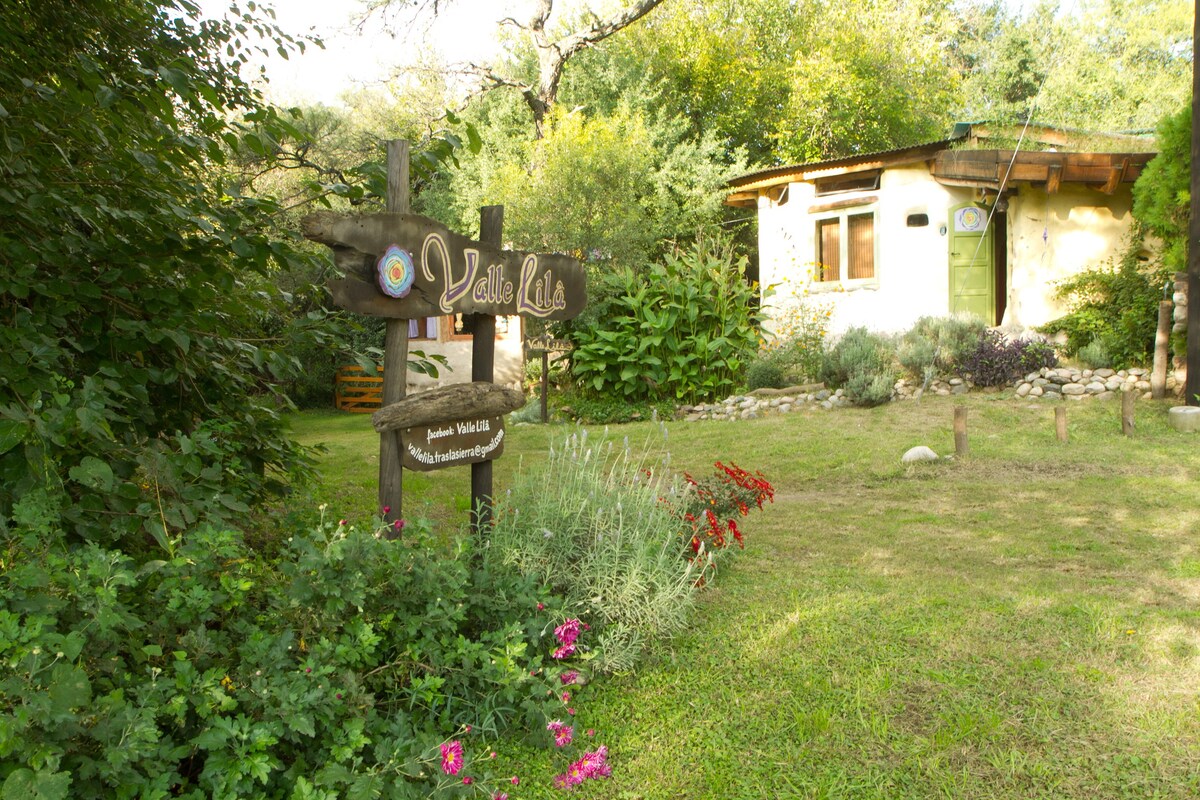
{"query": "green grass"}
pixel 1021 623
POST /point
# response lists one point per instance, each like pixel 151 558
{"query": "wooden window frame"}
pixel 843 215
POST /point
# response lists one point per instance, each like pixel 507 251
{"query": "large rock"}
pixel 1073 389
pixel 917 454
pixel 1184 418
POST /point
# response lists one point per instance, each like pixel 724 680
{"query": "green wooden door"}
pixel 972 263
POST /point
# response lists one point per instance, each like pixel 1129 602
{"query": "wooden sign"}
pixel 545 344
pixel 405 266
pixel 453 443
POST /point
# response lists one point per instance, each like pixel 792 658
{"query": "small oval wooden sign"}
pixel 451 444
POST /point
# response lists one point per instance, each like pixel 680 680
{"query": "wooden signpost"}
pixel 544 346
pixel 402 266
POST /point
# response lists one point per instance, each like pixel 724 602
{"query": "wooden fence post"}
pixel 960 431
pixel 1127 411
pixel 483 368
pixel 1162 339
pixel 1060 423
pixel 395 352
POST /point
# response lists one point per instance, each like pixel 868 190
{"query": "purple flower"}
pixel 569 677
pixel 566 651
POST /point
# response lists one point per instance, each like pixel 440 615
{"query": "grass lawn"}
pixel 1022 623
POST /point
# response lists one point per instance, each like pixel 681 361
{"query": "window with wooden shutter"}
pixel 845 246
pixel 829 249
pixel 860 250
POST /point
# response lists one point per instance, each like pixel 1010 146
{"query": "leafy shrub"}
pixel 591 524
pixel 1094 355
pixel 998 360
pixel 765 372
pixel 683 330
pixel 938 345
pixel 917 354
pixel 1114 304
pixel 797 344
pixel 861 363
pixel 342 670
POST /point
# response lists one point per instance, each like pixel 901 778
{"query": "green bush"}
pixel 684 330
pixel 591 523
pixel 1116 305
pixel 939 345
pixel 335 672
pixel 765 372
pixel 1094 355
pixel 861 363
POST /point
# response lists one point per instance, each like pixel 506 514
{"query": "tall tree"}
pixel 134 368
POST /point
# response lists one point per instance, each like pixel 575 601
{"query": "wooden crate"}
pixel 356 391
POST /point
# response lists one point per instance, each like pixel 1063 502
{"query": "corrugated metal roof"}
pixel 847 161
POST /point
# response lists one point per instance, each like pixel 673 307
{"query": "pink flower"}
pixel 591 732
pixel 594 763
pixel 516 781
pixel 568 632
pixel 568 678
pixel 566 651
pixel 493 755
pixel 563 733
pixel 452 758
pixel 399 524
pixel 341 522
pixel 566 697
pixel 468 780
pixel 499 795
pixel 540 606
pixel 467 728
pixel 387 510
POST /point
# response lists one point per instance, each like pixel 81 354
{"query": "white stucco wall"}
pixel 1050 237
pixel 1054 236
pixel 509 364
pixel 911 270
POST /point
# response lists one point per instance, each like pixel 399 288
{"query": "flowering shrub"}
pixel 711 509
pixel 590 524
pixel 335 671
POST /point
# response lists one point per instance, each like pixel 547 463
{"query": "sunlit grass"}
pixel 1021 623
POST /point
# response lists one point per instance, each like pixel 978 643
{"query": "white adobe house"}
pixel 946 227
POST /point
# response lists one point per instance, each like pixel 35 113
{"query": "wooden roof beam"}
pixel 1116 174
pixel 1053 178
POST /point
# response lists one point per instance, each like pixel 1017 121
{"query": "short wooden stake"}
pixel 1060 423
pixel 1127 412
pixel 960 431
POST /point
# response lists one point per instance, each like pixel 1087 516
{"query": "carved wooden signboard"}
pixel 431 447
pixel 403 266
pixel 445 273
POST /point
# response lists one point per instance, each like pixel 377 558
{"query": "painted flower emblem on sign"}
pixel 396 272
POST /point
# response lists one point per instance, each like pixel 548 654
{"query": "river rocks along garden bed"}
pixel 1049 384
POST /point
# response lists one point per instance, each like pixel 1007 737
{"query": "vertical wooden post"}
pixel 1191 392
pixel 1127 411
pixel 960 431
pixel 545 386
pixel 1162 338
pixel 395 352
pixel 483 368
pixel 1060 423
